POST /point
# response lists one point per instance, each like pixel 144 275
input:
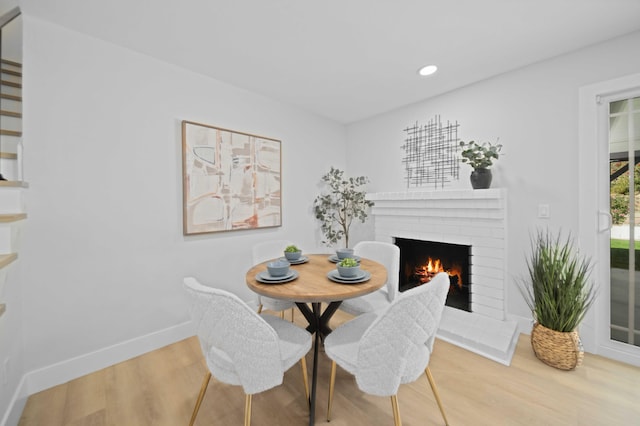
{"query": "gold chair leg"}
pixel 305 379
pixel 247 410
pixel 260 308
pixel 332 383
pixel 292 311
pixel 396 411
pixel 281 314
pixel 436 394
pixel 203 390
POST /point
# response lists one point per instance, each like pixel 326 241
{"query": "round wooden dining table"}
pixel 312 286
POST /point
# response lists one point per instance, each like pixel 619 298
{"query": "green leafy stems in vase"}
pixel 480 157
pixel 344 202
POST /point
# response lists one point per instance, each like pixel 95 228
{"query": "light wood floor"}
pixel 160 388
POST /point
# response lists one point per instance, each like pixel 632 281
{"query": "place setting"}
pixel 293 255
pixel 278 272
pixel 348 272
pixel 343 253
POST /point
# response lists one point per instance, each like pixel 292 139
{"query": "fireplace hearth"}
pixel 421 260
pixel 475 219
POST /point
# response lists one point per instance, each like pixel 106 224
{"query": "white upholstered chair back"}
pixel 388 255
pixel 239 346
pixel 397 346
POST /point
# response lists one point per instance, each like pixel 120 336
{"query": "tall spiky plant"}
pixel 558 289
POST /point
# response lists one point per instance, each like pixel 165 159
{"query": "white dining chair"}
pixel 388 255
pixel 261 252
pixel 384 349
pixel 242 347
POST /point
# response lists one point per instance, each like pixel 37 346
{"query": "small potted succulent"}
pixel 292 252
pixel 480 157
pixel 348 267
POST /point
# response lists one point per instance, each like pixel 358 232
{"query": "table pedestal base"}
pixel 318 325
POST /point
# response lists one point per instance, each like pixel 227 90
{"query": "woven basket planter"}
pixel 558 349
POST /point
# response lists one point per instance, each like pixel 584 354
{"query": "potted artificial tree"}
pixel 337 208
pixel 480 157
pixel 559 292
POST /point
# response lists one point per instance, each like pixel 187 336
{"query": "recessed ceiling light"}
pixel 428 70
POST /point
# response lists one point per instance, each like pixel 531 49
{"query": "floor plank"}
pixel 160 388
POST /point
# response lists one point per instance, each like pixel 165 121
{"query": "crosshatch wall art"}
pixel 431 154
pixel 231 180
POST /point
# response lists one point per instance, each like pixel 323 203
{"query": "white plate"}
pixel 264 277
pixel 334 258
pixel 333 275
pixel 301 259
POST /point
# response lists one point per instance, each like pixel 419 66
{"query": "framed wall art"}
pixel 431 154
pixel 231 180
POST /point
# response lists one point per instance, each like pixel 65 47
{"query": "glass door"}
pixel 624 191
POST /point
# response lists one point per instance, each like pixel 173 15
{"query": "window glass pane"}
pixel 625 232
pixel 618 107
pixel 618 134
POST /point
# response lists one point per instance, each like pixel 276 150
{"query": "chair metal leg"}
pixel 260 308
pixel 305 378
pixel 247 410
pixel 292 311
pixel 203 390
pixel 396 411
pixel 281 314
pixel 436 394
pixel 332 383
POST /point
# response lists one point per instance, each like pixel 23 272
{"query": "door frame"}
pixel 594 216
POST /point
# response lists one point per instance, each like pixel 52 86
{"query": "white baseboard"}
pixel 62 372
pixel 620 352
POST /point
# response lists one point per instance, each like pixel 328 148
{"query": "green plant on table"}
pixel 348 262
pixel 558 288
pixel 291 249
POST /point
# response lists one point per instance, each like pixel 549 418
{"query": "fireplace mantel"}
pixel 470 217
pixel 445 194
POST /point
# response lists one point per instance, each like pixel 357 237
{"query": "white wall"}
pixel 103 253
pixel 534 113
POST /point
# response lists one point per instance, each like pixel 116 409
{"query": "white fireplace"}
pixel 476 218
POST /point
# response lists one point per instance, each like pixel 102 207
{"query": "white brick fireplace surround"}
pixel 476 218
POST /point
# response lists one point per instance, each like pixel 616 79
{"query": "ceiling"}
pixel 346 59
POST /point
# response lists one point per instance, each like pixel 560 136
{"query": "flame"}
pixel 432 267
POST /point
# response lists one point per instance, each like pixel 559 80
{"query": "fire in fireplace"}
pixel 421 260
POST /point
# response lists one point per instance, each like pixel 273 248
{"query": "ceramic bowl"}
pixel 348 271
pixel 278 268
pixel 343 253
pixel 292 255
